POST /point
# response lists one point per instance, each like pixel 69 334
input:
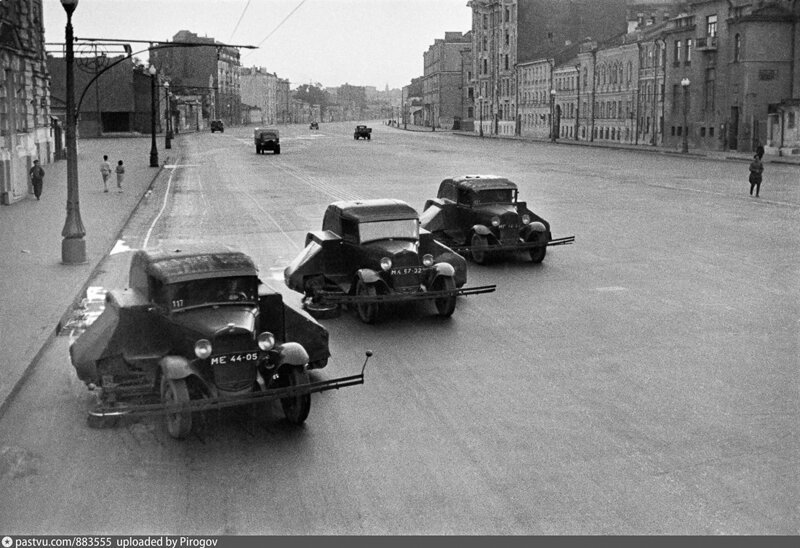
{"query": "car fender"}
pixel 533 229
pixel 445 269
pixel 368 276
pixel 176 367
pixel 481 230
pixel 292 353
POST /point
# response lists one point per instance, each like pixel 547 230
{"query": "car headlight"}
pixel 266 340
pixel 202 348
pixel 526 219
pixel 495 221
pixel 386 263
pixel 427 259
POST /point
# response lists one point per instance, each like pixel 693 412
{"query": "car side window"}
pixel 464 197
pixel 349 231
pixel 158 293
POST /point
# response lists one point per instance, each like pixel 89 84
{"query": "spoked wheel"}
pixel 538 253
pixel 367 312
pixel 480 249
pixel 175 391
pixel 296 408
pixel 445 306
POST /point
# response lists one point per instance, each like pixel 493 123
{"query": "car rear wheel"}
pixel 538 253
pixel 296 408
pixel 176 391
pixel 479 249
pixel 367 312
pixel 277 150
pixel 445 306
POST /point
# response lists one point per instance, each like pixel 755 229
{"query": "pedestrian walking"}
pixel 37 178
pixel 105 171
pixel 756 169
pixel 120 175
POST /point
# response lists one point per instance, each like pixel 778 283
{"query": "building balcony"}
pixel 707 43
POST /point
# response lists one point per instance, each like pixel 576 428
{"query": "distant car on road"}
pixel 197 330
pixel 372 252
pixel 267 138
pixel 314 125
pixel 481 215
pixel 217 125
pixel 362 132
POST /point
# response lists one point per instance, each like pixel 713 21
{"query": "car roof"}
pixel 172 266
pixel 381 209
pixel 482 182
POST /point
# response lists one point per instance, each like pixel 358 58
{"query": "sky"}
pixel 330 42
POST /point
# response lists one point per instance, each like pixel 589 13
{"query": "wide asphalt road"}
pixel 641 381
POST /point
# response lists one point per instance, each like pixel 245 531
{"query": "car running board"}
pixel 341 298
pixel 512 247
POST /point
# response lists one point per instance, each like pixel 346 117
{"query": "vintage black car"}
pixel 217 125
pixel 267 138
pixel 372 252
pixel 314 125
pixel 481 215
pixel 197 330
pixel 362 132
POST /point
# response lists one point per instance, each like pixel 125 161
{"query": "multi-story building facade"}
pixel 212 72
pixel 259 89
pixel 469 98
pixel 283 106
pixel 506 33
pixel 441 83
pixel 25 122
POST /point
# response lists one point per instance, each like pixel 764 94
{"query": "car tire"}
pixel 296 408
pixel 367 312
pixel 537 253
pixel 179 425
pixel 320 311
pixel 277 150
pixel 258 150
pixel 445 306
pixel 479 249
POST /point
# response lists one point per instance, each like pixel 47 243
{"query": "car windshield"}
pixel 212 291
pixel 403 229
pixel 493 195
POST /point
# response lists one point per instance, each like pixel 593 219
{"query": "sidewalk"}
pixel 37 289
pixel 696 153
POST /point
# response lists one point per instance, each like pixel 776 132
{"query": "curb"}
pixel 76 299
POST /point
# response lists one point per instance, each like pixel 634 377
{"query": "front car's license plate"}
pixel 234 358
pixel 407 270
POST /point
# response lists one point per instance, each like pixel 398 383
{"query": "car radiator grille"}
pixel 509 235
pixel 233 377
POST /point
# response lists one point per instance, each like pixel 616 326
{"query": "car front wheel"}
pixel 538 253
pixel 367 311
pixel 296 408
pixel 479 248
pixel 445 306
pixel 175 391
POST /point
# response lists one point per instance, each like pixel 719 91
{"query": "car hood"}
pixel 212 321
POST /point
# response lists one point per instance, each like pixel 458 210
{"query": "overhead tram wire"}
pixel 240 20
pixel 281 23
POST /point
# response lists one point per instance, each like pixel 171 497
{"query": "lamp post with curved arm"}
pixel 73 246
pixel 167 118
pixel 153 148
pixel 480 115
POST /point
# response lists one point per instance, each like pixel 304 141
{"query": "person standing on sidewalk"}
pixel 37 178
pixel 120 175
pixel 756 169
pixel 105 171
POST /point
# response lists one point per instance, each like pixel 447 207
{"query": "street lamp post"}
pixel 685 85
pixel 480 115
pixel 553 115
pixel 167 118
pixel 153 147
pixel 73 246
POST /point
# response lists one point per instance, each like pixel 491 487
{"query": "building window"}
pixel 508 38
pixel 677 53
pixel 485 66
pixel 485 21
pixel 506 61
pixel 688 51
pixel 790 120
pixel 711 131
pixel 506 15
pixel 711 26
pixel 737 48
